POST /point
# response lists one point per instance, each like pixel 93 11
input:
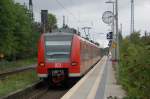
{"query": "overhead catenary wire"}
pixel 59 3
pixel 69 12
pixel 71 1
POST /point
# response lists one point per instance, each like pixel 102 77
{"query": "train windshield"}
pixel 58 47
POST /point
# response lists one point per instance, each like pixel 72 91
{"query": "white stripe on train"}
pixel 70 75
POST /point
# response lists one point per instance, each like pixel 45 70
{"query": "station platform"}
pixel 98 83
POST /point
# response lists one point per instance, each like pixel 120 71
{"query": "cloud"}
pixel 81 13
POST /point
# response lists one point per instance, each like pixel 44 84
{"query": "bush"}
pixel 134 70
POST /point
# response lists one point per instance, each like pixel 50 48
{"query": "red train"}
pixel 65 55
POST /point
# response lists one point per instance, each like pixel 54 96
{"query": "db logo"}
pixel 57 65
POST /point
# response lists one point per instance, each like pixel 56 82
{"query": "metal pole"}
pixel 121 29
pixel 132 16
pixel 113 18
pixel 117 35
pixel 87 34
pixel 63 21
pixel 114 51
pixel 44 20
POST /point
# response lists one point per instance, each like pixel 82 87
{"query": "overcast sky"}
pixel 81 13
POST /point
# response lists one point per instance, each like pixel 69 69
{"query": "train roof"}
pixel 70 34
pixel 57 33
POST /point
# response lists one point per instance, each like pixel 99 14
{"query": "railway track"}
pixel 56 92
pixel 48 93
pixel 15 71
pixel 27 92
pixel 40 90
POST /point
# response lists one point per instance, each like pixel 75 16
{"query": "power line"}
pixel 58 2
pixel 71 2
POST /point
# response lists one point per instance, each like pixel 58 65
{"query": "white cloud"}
pixel 89 12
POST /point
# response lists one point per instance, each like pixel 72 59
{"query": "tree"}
pixel 18 33
pixel 52 21
pixel 134 66
pixel 7 21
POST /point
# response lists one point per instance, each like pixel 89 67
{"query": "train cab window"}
pixel 58 48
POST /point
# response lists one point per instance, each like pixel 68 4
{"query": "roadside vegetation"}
pixel 104 51
pixel 11 65
pixel 16 82
pixel 19 35
pixel 134 70
pixel 18 32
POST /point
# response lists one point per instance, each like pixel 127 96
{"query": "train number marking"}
pixel 58 65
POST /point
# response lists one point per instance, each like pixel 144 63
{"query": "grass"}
pixel 134 68
pixel 5 65
pixel 18 81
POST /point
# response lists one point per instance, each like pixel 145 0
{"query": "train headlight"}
pixel 41 64
pixel 74 63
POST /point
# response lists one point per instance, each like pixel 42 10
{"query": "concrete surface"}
pixel 98 83
pixel 112 89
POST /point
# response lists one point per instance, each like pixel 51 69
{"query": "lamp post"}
pixel 117 33
pixel 113 3
pixel 115 23
pixel 114 51
pixel 115 26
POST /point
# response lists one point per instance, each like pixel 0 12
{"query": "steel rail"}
pixel 15 71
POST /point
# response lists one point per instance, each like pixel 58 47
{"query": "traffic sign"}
pixel 114 45
pixel 110 42
pixel 110 35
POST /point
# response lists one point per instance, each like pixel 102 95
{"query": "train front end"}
pixel 54 57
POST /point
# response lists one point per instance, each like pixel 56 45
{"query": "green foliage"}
pixel 52 21
pixel 6 26
pixel 134 67
pixel 10 65
pixel 18 33
pixel 16 82
pixel 104 51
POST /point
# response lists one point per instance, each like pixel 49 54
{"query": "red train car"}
pixel 65 55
